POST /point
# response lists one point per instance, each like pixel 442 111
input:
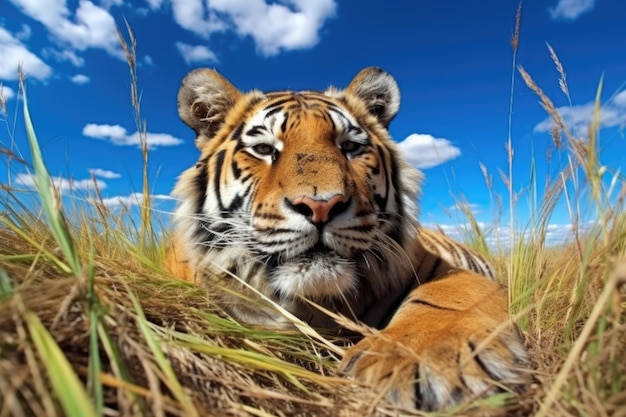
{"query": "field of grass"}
pixel 92 325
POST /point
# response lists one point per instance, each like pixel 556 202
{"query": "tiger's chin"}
pixel 315 275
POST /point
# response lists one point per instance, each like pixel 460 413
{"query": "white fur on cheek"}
pixel 318 277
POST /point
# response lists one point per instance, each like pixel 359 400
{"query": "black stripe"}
pixel 365 228
pixel 202 183
pixel 236 135
pixel 283 126
pixel 272 231
pixel 427 304
pixel 269 216
pixel 278 103
pixel 236 204
pixel 273 111
pixel 256 130
pixel 393 308
pixel 385 199
pixel 396 184
pixel 219 165
pixel 471 261
pixel 482 364
pixel 236 170
pixel 432 270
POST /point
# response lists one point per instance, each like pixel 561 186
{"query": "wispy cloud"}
pixel 14 53
pixel 133 199
pixel 155 4
pixel 426 151
pixel 64 55
pixel 104 173
pixel 118 135
pixel 24 33
pixel 500 236
pixel 571 9
pixel 147 60
pixel 61 183
pixel 87 26
pixel 274 26
pixel 194 54
pixel 463 207
pixel 578 118
pixel 80 79
pixel 108 4
pixel 6 92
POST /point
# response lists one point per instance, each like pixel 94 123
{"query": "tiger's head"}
pixel 298 194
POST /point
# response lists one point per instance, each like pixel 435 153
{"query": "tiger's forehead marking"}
pixel 271 119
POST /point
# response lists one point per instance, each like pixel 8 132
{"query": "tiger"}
pixel 301 203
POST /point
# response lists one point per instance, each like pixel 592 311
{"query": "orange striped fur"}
pixel 303 196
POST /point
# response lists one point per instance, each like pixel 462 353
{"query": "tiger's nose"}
pixel 320 211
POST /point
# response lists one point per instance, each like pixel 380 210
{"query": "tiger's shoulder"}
pixel 439 252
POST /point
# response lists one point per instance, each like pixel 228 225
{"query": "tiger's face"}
pixel 296 193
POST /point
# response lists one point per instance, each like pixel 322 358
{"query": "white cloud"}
pixel 154 4
pixel 500 236
pixel 426 151
pixel 14 54
pixel 89 26
pixel 112 132
pixel 80 79
pixel 117 135
pixel 620 99
pixel 578 118
pixel 61 183
pixel 133 199
pixel 464 207
pixel 65 55
pixel 194 16
pixel 147 60
pixel 193 54
pixel 274 27
pixel 571 9
pixel 24 33
pixel 7 92
pixel 104 173
pixel 108 4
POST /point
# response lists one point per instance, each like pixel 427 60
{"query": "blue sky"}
pixel 451 58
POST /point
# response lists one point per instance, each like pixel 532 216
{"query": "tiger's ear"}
pixel 379 91
pixel 204 99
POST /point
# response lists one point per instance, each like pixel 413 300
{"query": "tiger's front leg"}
pixel 450 341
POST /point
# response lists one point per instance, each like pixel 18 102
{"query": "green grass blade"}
pixel 40 246
pixel 6 289
pixel 94 384
pixel 50 201
pixel 161 360
pixel 119 367
pixel 65 383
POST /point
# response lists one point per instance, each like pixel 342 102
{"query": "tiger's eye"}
pixel 263 149
pixel 351 147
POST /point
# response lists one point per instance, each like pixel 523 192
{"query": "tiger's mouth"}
pixel 316 253
pixel 318 272
pixel 317 250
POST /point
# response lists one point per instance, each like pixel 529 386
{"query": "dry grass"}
pixel 91 325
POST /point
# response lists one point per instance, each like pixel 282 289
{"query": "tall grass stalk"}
pixel 147 237
pixel 509 146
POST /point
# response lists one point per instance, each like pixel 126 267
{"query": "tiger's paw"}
pixel 439 364
pixel 440 374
